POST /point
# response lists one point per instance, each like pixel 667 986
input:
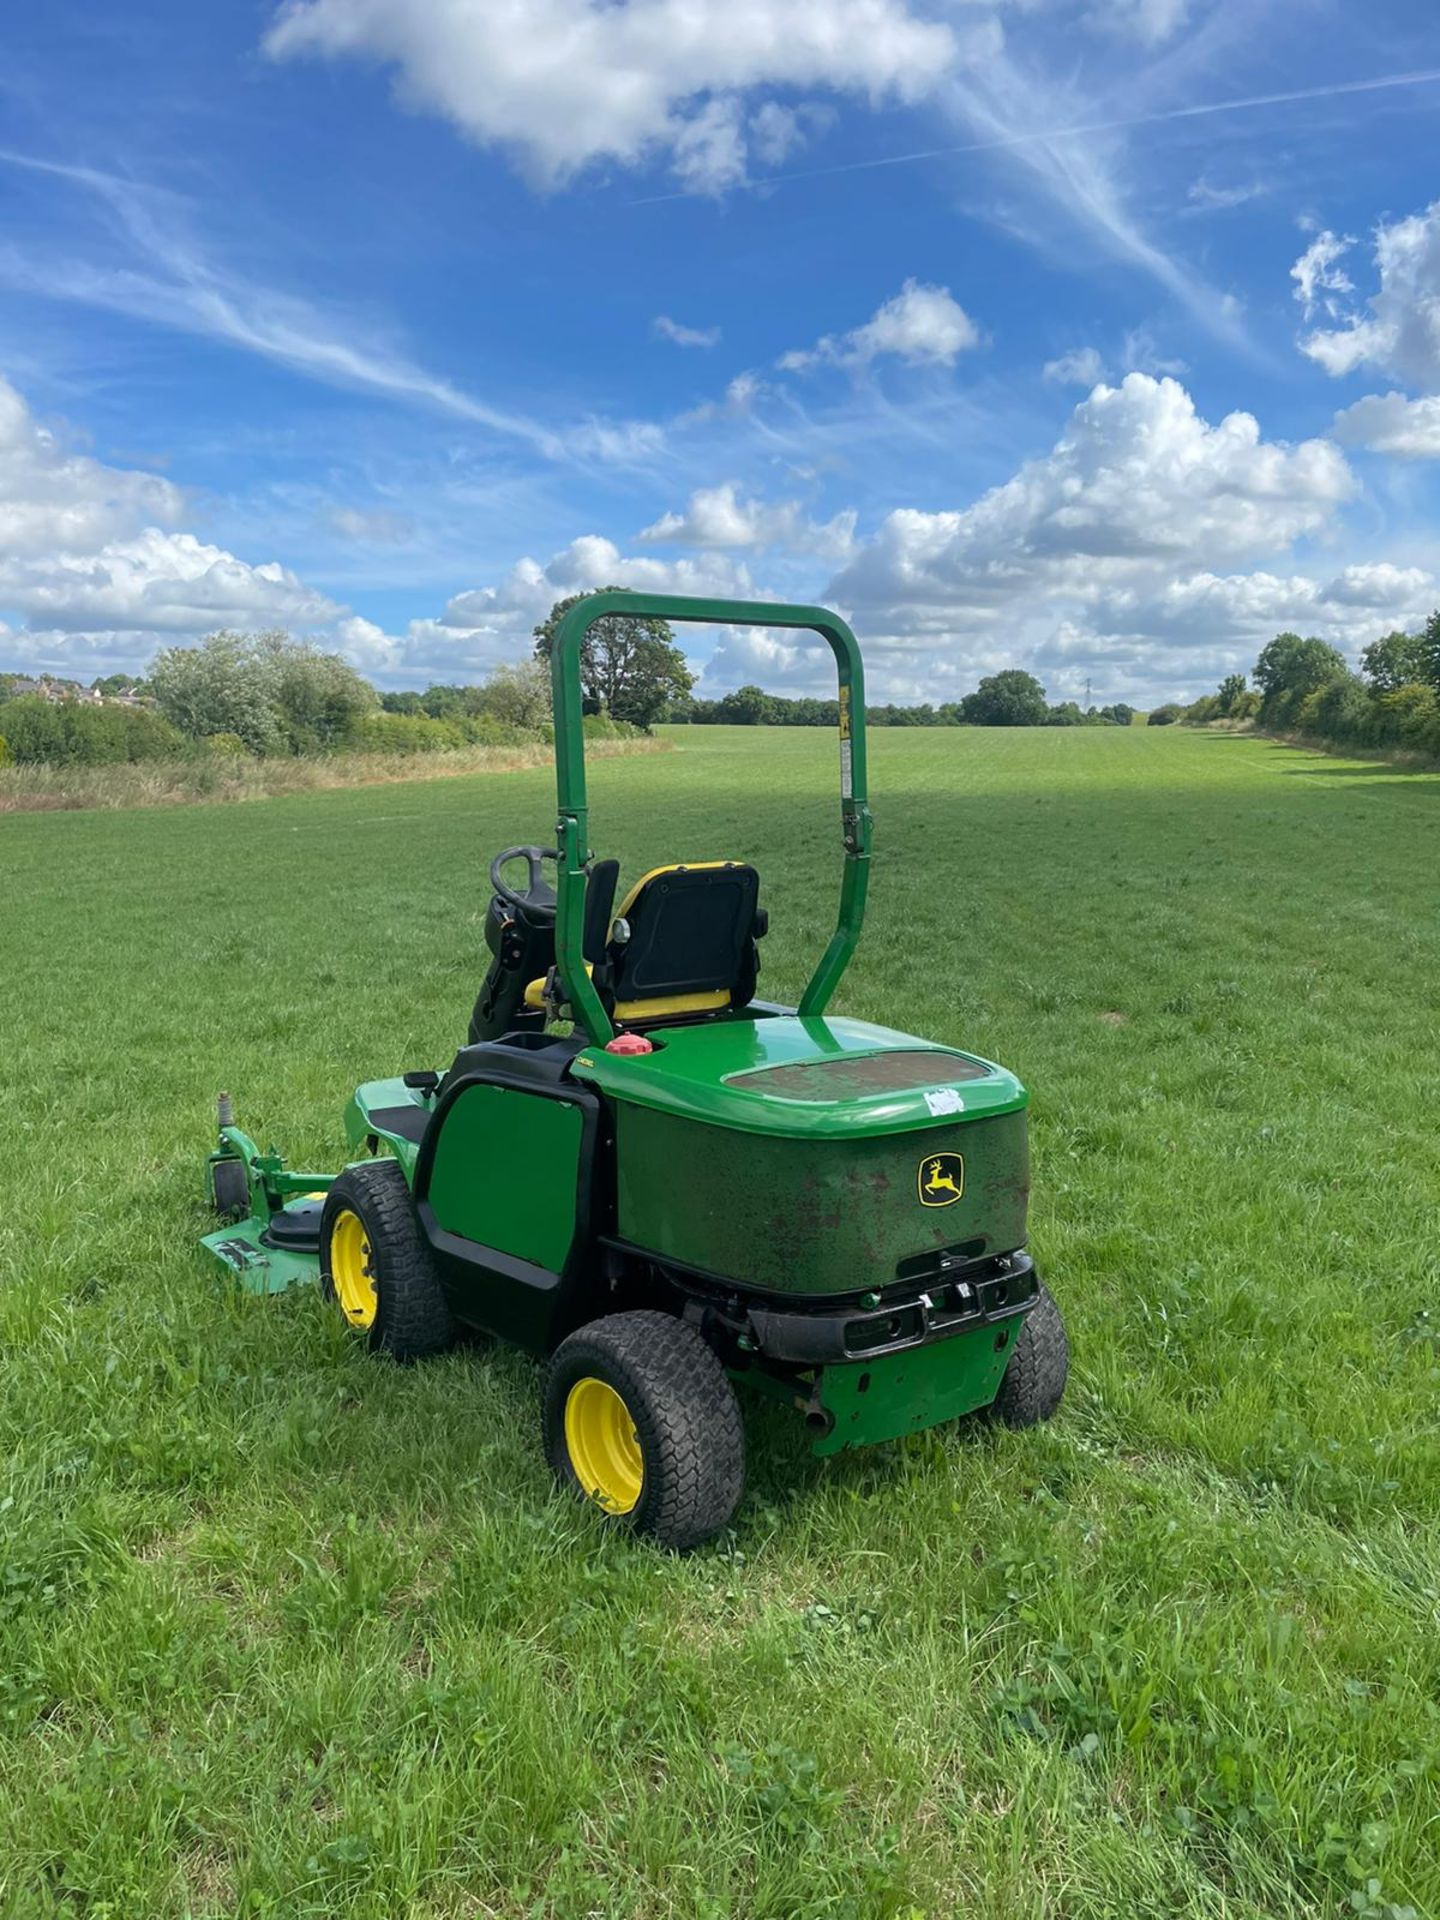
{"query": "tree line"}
pixel 1306 686
pixel 268 693
pixel 1008 699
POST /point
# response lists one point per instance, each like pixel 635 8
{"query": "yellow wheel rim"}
pixel 603 1445
pixel 350 1269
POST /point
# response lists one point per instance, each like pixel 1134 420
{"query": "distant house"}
pixel 22 686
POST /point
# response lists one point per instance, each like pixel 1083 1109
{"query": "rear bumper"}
pixel 962 1300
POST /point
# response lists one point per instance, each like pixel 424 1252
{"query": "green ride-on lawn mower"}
pixel 691 1188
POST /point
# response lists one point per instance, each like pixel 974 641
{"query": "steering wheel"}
pixel 539 896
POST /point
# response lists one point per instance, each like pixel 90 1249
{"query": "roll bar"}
pixel 572 827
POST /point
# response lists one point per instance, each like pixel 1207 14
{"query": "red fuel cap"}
pixel 629 1043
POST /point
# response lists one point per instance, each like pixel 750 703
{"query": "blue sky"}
pixel 1097 337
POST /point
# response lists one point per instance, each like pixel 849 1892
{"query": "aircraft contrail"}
pixel 1422 77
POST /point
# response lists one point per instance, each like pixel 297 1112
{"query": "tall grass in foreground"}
pixel 223 777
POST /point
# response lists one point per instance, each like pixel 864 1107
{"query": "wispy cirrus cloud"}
pixel 679 335
pixel 166 278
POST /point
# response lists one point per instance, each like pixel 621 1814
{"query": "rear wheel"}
pixel 376 1264
pixel 640 1417
pixel 229 1189
pixel 1034 1381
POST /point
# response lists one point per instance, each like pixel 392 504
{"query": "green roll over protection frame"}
pixel 572 827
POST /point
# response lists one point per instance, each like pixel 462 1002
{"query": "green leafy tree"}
pixel 1429 654
pixel 223 685
pixel 275 693
pixel 746 707
pixel 1232 689
pixel 1009 699
pixel 1394 661
pixel 1292 665
pixel 1121 713
pixel 630 666
pixel 453 703
pixel 1165 716
pixel 519 695
pixel 1408 716
pixel 1343 709
pixel 319 697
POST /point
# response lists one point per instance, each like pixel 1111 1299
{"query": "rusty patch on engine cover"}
pixel 858 1076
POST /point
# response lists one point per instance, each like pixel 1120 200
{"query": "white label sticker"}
pixel 944 1100
pixel 846 776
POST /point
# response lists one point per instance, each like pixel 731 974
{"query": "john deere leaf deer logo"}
pixel 941 1179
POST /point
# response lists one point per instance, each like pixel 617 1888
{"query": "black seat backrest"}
pixel 692 937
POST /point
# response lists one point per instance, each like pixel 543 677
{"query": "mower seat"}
pixel 686 944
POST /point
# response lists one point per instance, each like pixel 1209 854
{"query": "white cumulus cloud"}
pixel 90 575
pixel 52 497
pixel 922 325
pixel 1138 483
pixel 719 517
pixel 1390 423
pixel 1400 333
pixel 157 582
pixel 567 83
pixel 1113 548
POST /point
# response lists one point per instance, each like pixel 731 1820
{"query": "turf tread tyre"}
pixel 1034 1381
pixel 686 1415
pixel 229 1189
pixel 412 1316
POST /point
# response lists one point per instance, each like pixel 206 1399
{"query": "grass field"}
pixel 288 1632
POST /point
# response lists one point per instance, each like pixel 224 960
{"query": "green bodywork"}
pixel 813 1216
pixel 920 1387
pixel 376 1097
pixel 530 1151
pixel 803 1078
pixel 780 1154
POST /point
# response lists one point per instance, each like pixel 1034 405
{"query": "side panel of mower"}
pixel 506 1170
pixel 817 1216
pixel 506 1191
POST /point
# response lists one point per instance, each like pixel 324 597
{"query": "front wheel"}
pixel 640 1417
pixel 376 1264
pixel 1034 1381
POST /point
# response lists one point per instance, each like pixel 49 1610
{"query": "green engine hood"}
pixel 802 1078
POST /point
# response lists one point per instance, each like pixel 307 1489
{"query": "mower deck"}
pixel 252 1249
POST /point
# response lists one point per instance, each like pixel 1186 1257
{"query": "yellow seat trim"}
pixel 661 1007
pixel 666 1006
